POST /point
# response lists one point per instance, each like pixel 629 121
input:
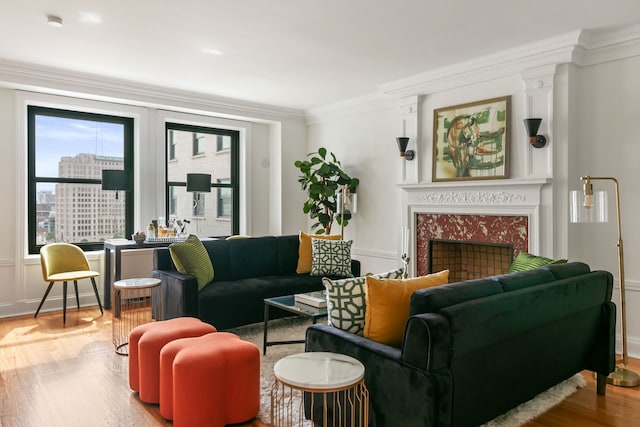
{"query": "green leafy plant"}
pixel 322 177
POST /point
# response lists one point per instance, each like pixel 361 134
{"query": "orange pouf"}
pixel 145 343
pixel 211 381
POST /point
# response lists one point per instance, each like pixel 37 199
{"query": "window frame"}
pixel 234 183
pixel 32 180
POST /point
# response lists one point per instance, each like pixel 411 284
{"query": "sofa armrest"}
pixel 399 394
pixel 426 342
pixel 180 294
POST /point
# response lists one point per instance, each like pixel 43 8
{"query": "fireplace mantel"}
pixel 508 197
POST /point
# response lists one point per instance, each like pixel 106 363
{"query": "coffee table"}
pixel 288 303
pixel 332 380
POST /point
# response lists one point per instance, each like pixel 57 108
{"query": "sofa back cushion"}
pixel 431 300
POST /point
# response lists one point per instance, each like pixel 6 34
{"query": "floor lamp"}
pixel 588 207
pixel 347 204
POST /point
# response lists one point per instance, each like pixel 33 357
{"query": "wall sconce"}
pixel 198 183
pixel 532 125
pixel 116 179
pixel 402 146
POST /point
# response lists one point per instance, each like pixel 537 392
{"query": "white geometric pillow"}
pixel 346 301
pixel 331 258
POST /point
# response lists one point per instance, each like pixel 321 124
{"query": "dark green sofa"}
pixel 473 350
pixel 245 272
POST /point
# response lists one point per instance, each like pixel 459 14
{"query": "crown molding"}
pixel 353 106
pixel 32 77
pixel 581 47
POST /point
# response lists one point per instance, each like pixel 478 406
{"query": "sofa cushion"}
pixel 346 300
pixel 190 257
pixel 387 302
pixel 331 257
pixel 304 250
pixel 526 261
pixel 431 300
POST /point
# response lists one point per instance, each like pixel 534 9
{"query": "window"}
pixel 198 144
pixel 67 151
pixel 223 143
pixel 172 146
pixel 209 214
pixel 224 200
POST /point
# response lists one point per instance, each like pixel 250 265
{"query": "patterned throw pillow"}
pixel 526 261
pixel 346 301
pixel 191 257
pixel 331 258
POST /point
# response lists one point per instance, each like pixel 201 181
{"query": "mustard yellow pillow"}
pixel 304 250
pixel 387 302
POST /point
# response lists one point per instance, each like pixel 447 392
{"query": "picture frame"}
pixel 471 141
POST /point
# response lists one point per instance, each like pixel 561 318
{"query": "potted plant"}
pixel 323 179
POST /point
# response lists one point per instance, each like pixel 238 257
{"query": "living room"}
pixel 581 80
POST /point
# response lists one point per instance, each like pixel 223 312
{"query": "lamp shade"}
pixel 199 183
pixel 347 204
pixel 532 126
pixel 402 144
pixel 115 179
pixel 588 208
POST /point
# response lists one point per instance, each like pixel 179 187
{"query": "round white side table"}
pixel 133 302
pixel 335 379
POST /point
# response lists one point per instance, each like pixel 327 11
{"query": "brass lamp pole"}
pixel 621 376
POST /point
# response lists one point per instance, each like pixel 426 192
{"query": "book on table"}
pixel 315 299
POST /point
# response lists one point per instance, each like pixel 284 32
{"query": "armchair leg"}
pixel 64 303
pixel 95 290
pixel 601 384
pixel 46 294
pixel 75 285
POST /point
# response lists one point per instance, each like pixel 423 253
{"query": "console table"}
pixel 118 246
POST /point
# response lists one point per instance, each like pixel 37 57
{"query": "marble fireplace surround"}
pixel 478 210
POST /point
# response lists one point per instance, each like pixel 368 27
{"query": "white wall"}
pixel 274 137
pixel 366 146
pixel 590 130
pixel 608 145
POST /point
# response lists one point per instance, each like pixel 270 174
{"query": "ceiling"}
pixel 290 53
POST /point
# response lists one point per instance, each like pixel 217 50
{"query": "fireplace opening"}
pixel 468 260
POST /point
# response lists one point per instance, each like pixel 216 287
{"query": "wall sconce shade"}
pixel 199 183
pixel 116 179
pixel 532 126
pixel 402 146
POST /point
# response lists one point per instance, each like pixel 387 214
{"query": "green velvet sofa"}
pixel 245 272
pixel 474 350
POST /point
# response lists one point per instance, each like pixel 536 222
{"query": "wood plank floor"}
pixel 52 375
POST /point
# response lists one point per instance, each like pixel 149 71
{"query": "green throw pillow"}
pixel 331 257
pixel 525 261
pixel 346 304
pixel 190 257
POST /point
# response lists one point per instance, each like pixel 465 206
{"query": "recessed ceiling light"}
pixel 213 51
pixel 90 18
pixel 54 21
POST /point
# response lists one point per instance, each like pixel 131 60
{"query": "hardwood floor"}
pixel 52 375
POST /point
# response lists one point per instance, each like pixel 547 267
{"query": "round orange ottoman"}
pixel 211 380
pixel 145 343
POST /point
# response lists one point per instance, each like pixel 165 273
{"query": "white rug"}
pixel 294 328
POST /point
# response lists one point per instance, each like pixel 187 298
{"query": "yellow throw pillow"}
pixel 304 250
pixel 387 302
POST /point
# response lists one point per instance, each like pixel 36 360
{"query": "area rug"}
pixel 294 328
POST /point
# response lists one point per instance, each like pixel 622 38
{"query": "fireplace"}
pixel 468 260
pixel 501 212
pixel 500 230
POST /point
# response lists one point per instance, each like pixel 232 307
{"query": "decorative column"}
pixel 538 98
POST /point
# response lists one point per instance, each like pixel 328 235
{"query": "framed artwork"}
pixel 471 141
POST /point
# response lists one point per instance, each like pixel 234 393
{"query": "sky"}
pixel 57 137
